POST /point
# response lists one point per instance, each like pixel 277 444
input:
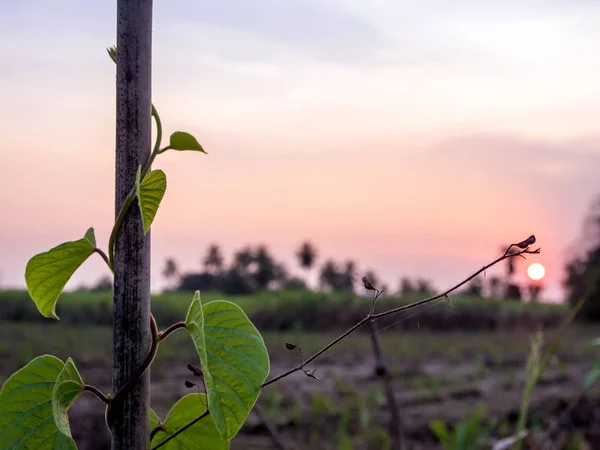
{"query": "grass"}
pixel 289 310
pixel 433 374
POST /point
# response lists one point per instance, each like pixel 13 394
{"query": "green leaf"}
pixel 149 193
pixel 592 376
pixel 68 387
pixel 234 360
pixel 440 429
pixel 154 420
pixel 180 140
pixel 47 273
pixel 112 52
pixel 203 435
pixel 26 418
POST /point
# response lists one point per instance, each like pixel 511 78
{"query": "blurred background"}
pixel 412 143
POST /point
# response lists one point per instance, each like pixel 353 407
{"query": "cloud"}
pixel 304 27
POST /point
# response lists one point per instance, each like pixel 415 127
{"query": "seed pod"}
pixel 367 284
pixel 527 242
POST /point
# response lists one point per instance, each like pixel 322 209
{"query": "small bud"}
pixel 197 372
pixel 189 384
pixel 367 284
pixel 290 346
pixel 527 242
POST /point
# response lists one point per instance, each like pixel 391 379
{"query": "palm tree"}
pixel 329 276
pixel 213 261
pixel 307 255
pixel 406 286
pixel 349 275
pixel 266 270
pixel 243 259
pixel 171 271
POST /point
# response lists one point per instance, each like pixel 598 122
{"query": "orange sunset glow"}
pixel 418 140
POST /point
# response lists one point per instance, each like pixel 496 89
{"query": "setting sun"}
pixel 536 271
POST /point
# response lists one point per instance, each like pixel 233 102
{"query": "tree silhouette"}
pixel 213 261
pixel 406 286
pixel 171 271
pixel 534 289
pixel 329 275
pixel 475 287
pixel 105 283
pixel 243 259
pixel 513 290
pixel 424 287
pixel 583 270
pixel 265 268
pixel 307 255
pixel 348 276
pixel 495 287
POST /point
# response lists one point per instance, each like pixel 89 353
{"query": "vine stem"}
pixel 104 257
pixel 142 369
pixel 131 196
pixel 176 326
pixel 371 316
pixel 97 393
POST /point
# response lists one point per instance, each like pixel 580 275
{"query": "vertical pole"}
pixel 131 316
pixel 382 370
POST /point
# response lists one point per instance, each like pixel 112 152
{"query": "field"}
pixel 438 373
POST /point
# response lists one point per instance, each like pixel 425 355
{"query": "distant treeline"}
pixel 255 269
pixel 300 310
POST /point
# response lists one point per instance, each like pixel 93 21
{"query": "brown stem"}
pixel 156 430
pixel 97 393
pixel 104 257
pixel 141 370
pixel 176 326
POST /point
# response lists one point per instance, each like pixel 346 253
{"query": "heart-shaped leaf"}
pixel 26 417
pixel 203 435
pixel 47 273
pixel 180 140
pixel 67 388
pixel 234 360
pixel 149 193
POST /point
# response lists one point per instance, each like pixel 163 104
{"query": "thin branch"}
pixel 181 430
pixel 97 393
pixel 104 257
pixel 397 310
pixel 176 326
pixel 370 316
pixel 319 353
pixel 444 294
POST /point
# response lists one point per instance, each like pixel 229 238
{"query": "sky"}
pixel 416 138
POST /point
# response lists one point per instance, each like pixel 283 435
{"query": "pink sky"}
pixel 415 140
